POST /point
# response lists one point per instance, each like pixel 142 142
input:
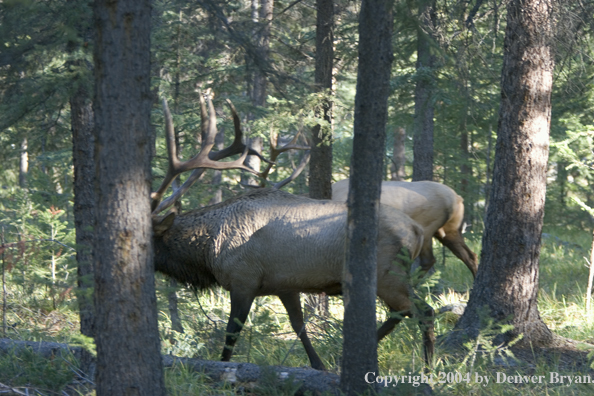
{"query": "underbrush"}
pixel 268 339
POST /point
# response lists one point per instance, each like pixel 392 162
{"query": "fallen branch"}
pixel 246 375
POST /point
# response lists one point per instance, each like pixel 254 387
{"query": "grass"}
pixel 269 340
pixel 29 370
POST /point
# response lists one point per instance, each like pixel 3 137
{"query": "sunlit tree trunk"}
pixel 24 163
pixel 506 285
pixel 424 107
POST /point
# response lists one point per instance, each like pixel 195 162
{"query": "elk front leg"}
pixel 240 308
pixel 292 303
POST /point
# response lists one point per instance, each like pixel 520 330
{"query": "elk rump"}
pixel 435 206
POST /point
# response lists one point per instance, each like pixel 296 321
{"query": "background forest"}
pixel 46 58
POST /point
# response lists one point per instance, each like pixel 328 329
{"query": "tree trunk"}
pixel 128 358
pixel 23 164
pixel 217 176
pixel 397 172
pixel 488 171
pixel 176 323
pixel 83 145
pixel 360 274
pixel 562 182
pixel 507 280
pixel 320 163
pixel 259 79
pixel 424 109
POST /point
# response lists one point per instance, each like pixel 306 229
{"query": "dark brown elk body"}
pixel 268 242
pixel 435 206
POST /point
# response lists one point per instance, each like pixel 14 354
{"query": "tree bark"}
pixel 507 280
pixel 360 274
pixel 320 164
pixel 23 164
pixel 398 159
pixel 259 82
pixel 217 176
pixel 128 358
pixel 83 143
pixel 424 109
pixel 562 182
pixel 488 171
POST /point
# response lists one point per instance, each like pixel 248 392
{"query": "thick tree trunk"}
pixel 83 146
pixel 128 358
pixel 360 274
pixel 320 163
pixel 398 159
pixel 424 109
pixel 507 280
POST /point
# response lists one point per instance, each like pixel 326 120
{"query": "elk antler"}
pixel 275 151
pixel 204 159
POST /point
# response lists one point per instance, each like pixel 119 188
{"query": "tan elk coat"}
pixel 268 242
pixel 435 206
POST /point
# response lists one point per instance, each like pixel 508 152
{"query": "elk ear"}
pixel 162 223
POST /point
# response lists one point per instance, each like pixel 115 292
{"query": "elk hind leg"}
pixel 456 244
pixel 240 308
pixel 292 303
pixel 389 325
pixel 426 316
pixel 393 291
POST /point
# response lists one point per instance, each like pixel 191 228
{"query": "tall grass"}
pixel 268 338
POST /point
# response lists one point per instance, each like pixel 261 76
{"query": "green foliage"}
pixel 29 369
pixel 181 380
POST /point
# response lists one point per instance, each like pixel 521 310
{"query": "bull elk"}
pixel 269 242
pixel 436 207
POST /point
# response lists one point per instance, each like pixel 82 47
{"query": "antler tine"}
pixel 296 172
pixel 292 145
pixel 170 200
pixel 203 116
pixel 208 134
pixel 173 160
pixel 204 159
pixel 170 136
pixel 275 152
pixel 237 146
